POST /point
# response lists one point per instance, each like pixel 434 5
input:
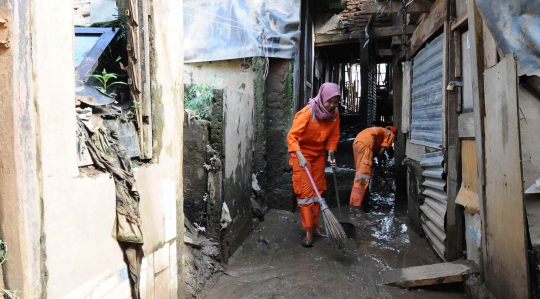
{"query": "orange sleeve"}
pixel 296 132
pixel 388 140
pixel 333 139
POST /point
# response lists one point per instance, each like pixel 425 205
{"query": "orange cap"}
pixel 392 129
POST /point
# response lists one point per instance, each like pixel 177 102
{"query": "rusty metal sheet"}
pixel 515 27
pixel 231 29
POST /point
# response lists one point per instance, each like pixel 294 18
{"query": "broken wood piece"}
pixel 429 274
pixel 469 200
pixel 393 7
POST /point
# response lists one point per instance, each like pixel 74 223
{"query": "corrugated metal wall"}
pixel 434 207
pixel 427 95
pixel 372 87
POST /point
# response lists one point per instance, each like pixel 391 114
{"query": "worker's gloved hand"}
pixel 331 159
pixel 302 162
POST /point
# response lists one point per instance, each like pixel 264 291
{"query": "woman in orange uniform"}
pixel 315 131
pixel 367 142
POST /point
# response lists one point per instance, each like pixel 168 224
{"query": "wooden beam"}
pixel 418 6
pixel 460 22
pixel 433 22
pixel 386 52
pixel 353 37
pixel 475 24
pixel 397 40
pixel 428 274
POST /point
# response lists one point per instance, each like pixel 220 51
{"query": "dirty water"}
pixel 271 263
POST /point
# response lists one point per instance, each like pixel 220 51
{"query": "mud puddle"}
pixel 271 263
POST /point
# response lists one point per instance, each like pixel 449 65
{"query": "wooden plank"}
pixel 446 37
pixel 428 275
pixel 506 268
pixel 460 22
pixel 397 40
pixel 406 104
pixel 466 90
pixel 474 22
pixel 457 53
pixel 353 37
pixel 454 223
pixel 434 21
pixel 466 125
pixel 490 48
pixel 417 6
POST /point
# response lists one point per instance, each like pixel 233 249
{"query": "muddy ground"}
pixel 271 263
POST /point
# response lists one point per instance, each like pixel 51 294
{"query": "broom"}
pixel 336 234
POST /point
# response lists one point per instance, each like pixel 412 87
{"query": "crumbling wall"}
pixel 196 138
pixel 279 116
pixel 414 194
pixel 237 176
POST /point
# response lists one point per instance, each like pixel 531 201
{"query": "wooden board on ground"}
pixel 428 275
pixel 506 261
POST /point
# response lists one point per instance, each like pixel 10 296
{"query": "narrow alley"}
pixel 160 149
pixel 271 264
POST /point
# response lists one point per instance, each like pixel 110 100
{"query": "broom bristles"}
pixel 336 235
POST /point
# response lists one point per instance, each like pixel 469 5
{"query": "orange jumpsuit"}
pixel 313 138
pixel 367 142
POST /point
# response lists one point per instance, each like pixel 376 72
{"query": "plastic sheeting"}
pixel 515 26
pixel 232 29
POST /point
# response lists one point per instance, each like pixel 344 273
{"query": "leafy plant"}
pixel 199 99
pixel 104 80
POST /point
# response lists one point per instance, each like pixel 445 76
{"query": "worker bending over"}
pixel 367 142
pixel 315 131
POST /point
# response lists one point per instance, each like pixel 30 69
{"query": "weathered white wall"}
pixel 221 74
pixel 82 259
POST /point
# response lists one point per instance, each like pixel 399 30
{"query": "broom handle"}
pixel 312 183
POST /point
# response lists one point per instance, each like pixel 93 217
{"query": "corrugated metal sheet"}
pixel 427 95
pixel 435 202
pixel 372 87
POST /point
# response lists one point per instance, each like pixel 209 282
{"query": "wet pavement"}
pixel 271 263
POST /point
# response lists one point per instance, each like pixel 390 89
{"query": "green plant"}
pixel 104 80
pixel 198 98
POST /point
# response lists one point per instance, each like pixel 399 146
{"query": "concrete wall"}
pixel 238 149
pixel 236 73
pixel 279 116
pixel 69 214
